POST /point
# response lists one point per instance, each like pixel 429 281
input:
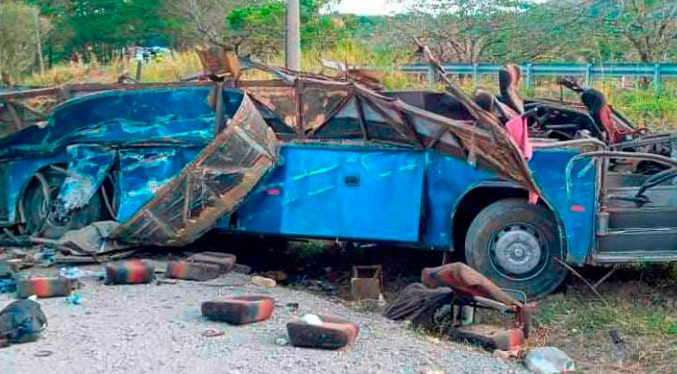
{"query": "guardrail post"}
pixel 431 77
pixel 527 80
pixel 475 75
pixel 588 75
pixel 139 67
pixel 657 77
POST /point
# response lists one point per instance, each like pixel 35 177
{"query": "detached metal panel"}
pixel 346 192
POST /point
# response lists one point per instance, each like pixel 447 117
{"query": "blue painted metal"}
pixel 175 117
pixel 308 196
pixel 340 192
pixel 656 71
pixel 21 172
pixel 167 116
pixel 325 190
pixel 88 166
pixel 143 171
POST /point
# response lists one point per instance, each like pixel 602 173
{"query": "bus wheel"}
pixel 37 202
pixel 517 246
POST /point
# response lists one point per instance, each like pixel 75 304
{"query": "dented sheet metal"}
pixel 26 108
pixel 211 186
pixel 322 108
pixel 179 169
pixel 88 166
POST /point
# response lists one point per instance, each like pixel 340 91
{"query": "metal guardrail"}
pixel 656 72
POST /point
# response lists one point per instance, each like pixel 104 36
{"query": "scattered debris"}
pixel 311 319
pixel 9 267
pixel 91 241
pixel 282 341
pixel 549 360
pixel 130 272
pixel 293 307
pixel 22 321
pixel 321 331
pixel 43 287
pixel 224 261
pixel 160 282
pixel 419 304
pixel 471 290
pixel 74 299
pixel 43 353
pixel 504 355
pixel 239 310
pixel 7 285
pixel 243 269
pixel 213 333
pixel 369 287
pixel 616 337
pixel 491 337
pixel 276 275
pixel 263 281
pixel 76 273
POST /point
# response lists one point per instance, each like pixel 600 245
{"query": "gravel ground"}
pixel 158 329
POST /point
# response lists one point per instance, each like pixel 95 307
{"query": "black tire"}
pixel 37 201
pixel 510 236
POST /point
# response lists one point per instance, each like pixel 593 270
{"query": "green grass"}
pixel 644 313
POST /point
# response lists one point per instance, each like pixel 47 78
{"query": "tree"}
pixel 260 29
pixel 102 27
pixel 464 30
pixel 19 35
pixel 649 27
pixel 202 21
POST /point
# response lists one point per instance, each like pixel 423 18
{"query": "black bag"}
pixel 420 305
pixel 22 321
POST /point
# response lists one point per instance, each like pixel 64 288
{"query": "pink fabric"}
pixel 519 133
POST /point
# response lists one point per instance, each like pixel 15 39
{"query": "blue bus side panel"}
pixel 351 193
pixel 144 170
pixel 448 179
pixel 577 209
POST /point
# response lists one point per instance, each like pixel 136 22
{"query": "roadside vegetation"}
pixel 45 42
pixel 646 107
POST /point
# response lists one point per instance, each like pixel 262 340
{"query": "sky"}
pixel 378 7
pixel 370 7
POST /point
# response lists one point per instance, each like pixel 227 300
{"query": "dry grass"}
pixel 645 107
pixel 642 308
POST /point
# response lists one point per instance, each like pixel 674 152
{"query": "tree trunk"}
pixel 41 61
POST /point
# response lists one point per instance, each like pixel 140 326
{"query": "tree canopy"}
pixel 458 30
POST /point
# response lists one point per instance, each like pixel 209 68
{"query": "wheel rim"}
pixel 519 251
pixel 41 205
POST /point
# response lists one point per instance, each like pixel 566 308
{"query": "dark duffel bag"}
pixel 21 321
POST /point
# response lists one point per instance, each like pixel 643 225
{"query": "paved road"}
pixel 158 329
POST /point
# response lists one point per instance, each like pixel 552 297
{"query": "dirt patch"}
pixel 159 329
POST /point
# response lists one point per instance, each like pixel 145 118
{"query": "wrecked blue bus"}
pixel 306 156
